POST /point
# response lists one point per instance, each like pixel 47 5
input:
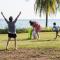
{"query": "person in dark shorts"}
pixel 11 28
pixel 56 29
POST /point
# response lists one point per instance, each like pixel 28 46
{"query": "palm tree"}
pixel 47 7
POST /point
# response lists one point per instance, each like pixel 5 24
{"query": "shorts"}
pixel 12 35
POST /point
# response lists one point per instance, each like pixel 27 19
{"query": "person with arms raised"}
pixel 11 28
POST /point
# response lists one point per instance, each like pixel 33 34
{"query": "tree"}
pixel 47 7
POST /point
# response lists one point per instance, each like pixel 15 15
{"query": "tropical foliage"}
pixel 47 7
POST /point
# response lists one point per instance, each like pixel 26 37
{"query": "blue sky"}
pixel 12 7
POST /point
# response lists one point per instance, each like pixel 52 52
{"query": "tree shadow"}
pixel 25 39
pixel 10 49
pixel 29 39
pixel 3 50
pixel 43 40
pixel 36 40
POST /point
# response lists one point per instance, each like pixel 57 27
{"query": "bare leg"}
pixel 15 42
pixel 59 35
pixel 56 35
pixel 8 42
pixel 37 34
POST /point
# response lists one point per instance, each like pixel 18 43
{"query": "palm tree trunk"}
pixel 47 14
pixel 46 19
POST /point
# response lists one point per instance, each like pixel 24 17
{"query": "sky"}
pixel 13 7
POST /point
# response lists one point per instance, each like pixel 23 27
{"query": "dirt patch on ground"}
pixel 30 54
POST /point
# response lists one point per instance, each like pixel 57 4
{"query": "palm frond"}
pixel 46 6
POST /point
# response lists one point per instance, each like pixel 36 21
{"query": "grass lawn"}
pixel 44 48
pixel 46 40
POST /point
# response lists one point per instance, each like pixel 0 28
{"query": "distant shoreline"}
pixel 24 23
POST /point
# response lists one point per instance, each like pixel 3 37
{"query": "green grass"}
pixel 46 40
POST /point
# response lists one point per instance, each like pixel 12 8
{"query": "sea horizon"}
pixel 24 23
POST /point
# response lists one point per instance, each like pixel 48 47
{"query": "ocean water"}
pixel 24 23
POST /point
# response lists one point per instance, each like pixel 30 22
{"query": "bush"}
pixel 46 29
pixel 3 31
pixel 22 30
pixel 25 30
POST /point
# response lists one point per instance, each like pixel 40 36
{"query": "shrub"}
pixel 46 29
pixel 25 30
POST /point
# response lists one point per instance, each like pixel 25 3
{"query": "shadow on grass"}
pixel 2 49
pixel 10 49
pixel 36 40
pixel 25 39
pixel 43 40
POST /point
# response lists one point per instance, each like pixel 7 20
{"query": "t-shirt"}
pixel 36 26
pixel 55 28
pixel 11 26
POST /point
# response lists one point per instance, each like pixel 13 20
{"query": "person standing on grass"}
pixel 56 29
pixel 35 29
pixel 11 28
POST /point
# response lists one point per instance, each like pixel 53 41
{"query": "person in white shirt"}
pixel 56 29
